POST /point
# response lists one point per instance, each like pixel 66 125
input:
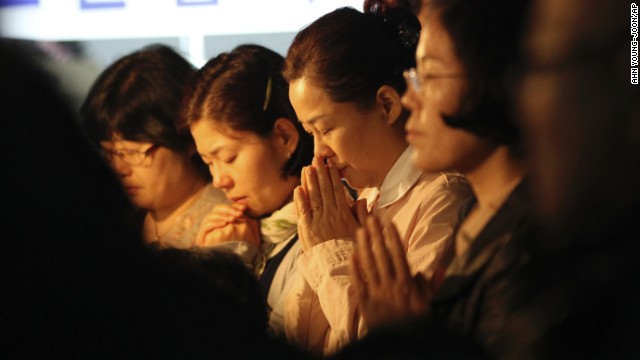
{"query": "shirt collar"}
pixel 399 180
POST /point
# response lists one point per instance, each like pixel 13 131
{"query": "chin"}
pixel 256 213
pixel 141 205
pixel 424 163
pixel 418 159
pixel 253 214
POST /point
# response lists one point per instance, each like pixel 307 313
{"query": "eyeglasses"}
pixel 416 81
pixel 128 156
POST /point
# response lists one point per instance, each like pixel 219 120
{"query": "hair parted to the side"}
pixel 486 36
pixel 244 90
pixel 138 98
pixel 351 54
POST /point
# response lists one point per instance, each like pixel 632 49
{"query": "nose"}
pixel 221 179
pixel 321 149
pixel 120 167
pixel 411 99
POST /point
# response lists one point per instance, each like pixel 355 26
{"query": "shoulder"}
pixel 443 185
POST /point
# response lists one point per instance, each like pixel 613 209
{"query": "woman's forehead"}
pixel 212 137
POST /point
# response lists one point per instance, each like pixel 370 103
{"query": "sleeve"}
pixel 435 222
pixel 322 314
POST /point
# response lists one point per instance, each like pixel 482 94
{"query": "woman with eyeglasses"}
pixel 131 113
pixel 461 119
pixel 345 73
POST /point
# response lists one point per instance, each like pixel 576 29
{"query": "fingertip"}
pixel 239 206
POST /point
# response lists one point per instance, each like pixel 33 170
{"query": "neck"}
pixel 293 181
pixel 176 208
pixel 160 220
pixel 499 173
pixel 388 158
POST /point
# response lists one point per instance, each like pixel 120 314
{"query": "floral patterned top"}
pixel 183 232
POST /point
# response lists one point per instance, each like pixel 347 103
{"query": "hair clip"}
pixel 267 96
pixel 408 35
pixel 374 8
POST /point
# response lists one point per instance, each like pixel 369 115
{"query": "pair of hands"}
pixel 325 209
pixel 382 281
pixel 228 222
pixel 381 277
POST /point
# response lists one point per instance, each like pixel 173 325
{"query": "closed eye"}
pixel 304 127
pixel 229 160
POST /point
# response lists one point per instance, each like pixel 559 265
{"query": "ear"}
pixel 286 135
pixel 390 102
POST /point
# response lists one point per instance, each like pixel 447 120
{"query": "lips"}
pixel 412 135
pixel 132 190
pixel 239 199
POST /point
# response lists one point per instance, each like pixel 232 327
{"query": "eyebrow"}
pixel 212 151
pixel 314 119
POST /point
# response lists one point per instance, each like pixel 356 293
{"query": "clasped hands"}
pixel 382 280
pixel 228 222
pixel 380 274
pixel 325 210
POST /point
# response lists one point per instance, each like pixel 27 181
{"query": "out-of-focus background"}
pixel 77 39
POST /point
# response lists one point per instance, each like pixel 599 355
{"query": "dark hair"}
pixel 139 98
pixel 351 54
pixel 245 91
pixel 486 37
pixel 223 270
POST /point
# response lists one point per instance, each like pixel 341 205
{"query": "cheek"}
pixel 256 173
pixel 350 143
pixel 444 97
pixel 442 149
pixel 437 103
pixel 166 176
pixel 268 189
pixel 338 144
pixel 157 184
